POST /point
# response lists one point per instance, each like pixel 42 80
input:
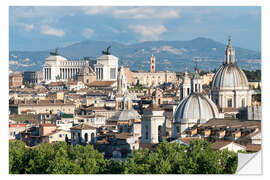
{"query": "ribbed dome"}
pixel 230 76
pixel 125 115
pixel 195 108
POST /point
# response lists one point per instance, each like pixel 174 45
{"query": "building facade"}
pixel 106 67
pixel 58 68
pixel 33 77
pixel 15 80
pixel 153 78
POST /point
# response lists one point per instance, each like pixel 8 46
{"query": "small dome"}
pixel 196 108
pixel 230 76
pixel 126 115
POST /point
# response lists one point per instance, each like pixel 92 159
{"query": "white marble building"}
pixel 106 67
pixel 153 125
pixel 58 68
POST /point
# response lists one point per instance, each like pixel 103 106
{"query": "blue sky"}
pixel 47 27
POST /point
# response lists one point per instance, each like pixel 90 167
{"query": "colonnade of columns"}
pixel 68 73
pixel 99 72
pixel 47 73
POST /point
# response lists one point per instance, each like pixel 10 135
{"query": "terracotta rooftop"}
pixel 253 147
pixel 219 144
pixel 123 135
pixel 83 126
pixel 17 125
pixel 101 83
pixel 231 123
pixel 56 84
pixel 47 125
pixel 43 102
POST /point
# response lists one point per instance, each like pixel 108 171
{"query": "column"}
pixel 60 73
pixel 45 73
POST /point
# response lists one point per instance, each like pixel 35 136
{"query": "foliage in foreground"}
pixel 167 158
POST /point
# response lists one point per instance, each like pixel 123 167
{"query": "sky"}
pixel 46 27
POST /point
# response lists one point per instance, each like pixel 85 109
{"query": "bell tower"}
pixel 153 64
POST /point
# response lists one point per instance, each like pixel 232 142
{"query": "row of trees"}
pixel 166 158
pixel 253 75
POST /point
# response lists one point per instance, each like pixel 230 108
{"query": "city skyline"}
pixel 50 26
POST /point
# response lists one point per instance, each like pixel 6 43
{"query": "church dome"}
pixel 125 115
pixel 230 76
pixel 196 108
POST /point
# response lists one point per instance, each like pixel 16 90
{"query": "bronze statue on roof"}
pixel 55 53
pixel 107 52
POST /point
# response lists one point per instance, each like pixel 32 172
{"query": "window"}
pixel 229 102
pixel 86 137
pixel 92 137
pixel 112 73
pixel 177 129
pixel 146 132
pixel 60 135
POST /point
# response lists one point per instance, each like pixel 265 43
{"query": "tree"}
pixel 18 157
pixel 166 158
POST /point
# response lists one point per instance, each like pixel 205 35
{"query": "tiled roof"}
pixel 83 126
pixel 101 83
pixel 47 125
pixel 123 135
pixel 56 84
pixel 253 147
pixel 219 144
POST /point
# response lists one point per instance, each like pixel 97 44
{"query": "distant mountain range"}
pixel 170 55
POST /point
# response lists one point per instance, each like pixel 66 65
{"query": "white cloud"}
pixel 95 9
pixel 146 13
pixel 26 27
pixel 148 32
pixel 48 30
pixel 87 32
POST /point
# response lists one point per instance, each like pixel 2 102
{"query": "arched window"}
pixel 86 137
pixel 229 102
pixel 146 132
pixel 92 137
